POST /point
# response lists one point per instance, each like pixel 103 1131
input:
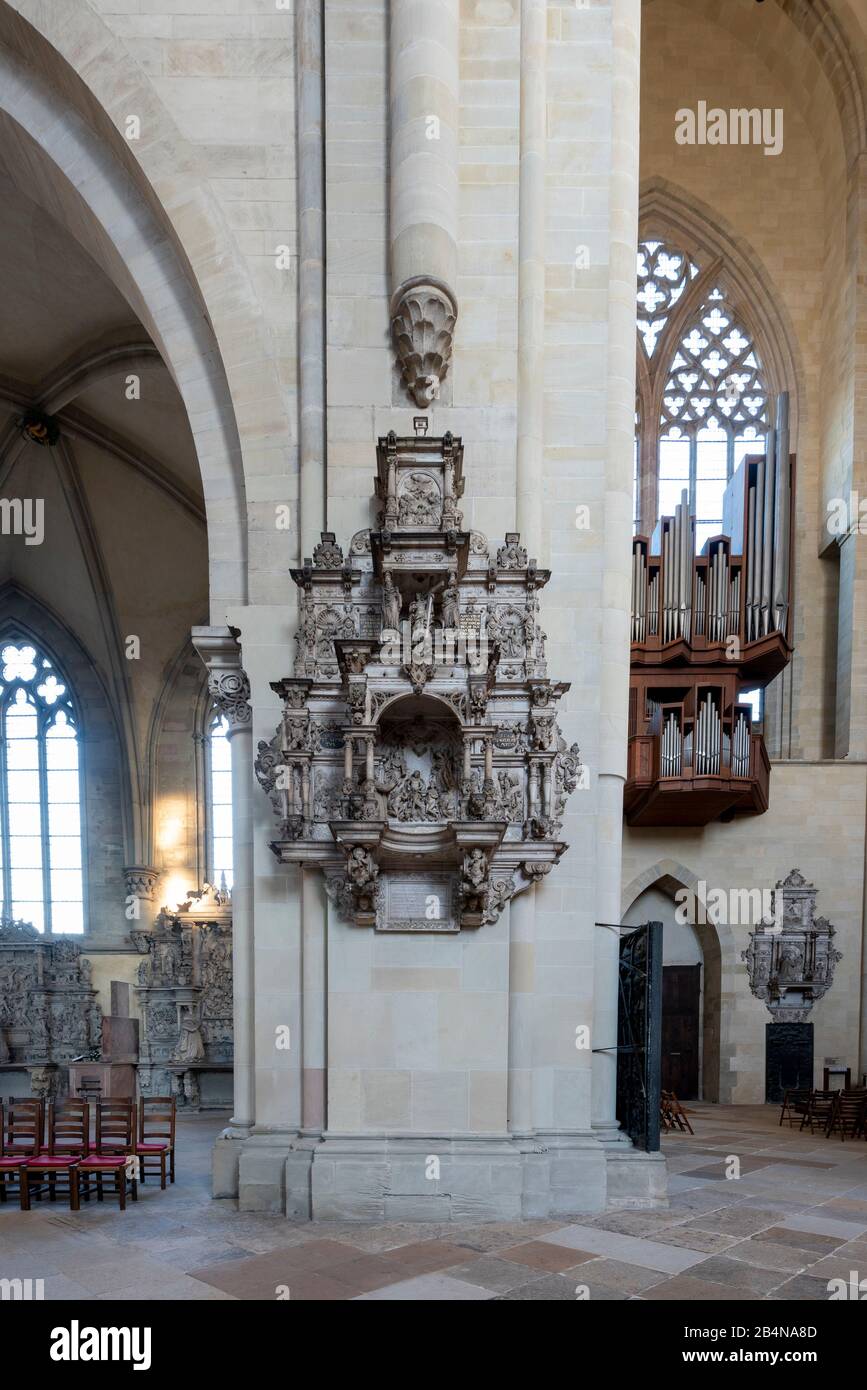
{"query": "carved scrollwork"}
pixel 230 691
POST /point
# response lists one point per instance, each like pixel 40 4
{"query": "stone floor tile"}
pixel 691 1288
pixel 540 1254
pixel 670 1259
pixel 492 1272
pixel 427 1288
pixel 825 1225
pixel 615 1274
pixel 560 1288
pixel 722 1269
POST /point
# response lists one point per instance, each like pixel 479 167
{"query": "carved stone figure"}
pixel 391 604
pixel 419 501
pixel 512 555
pixel 450 604
pixel 190 1046
pixel 327 554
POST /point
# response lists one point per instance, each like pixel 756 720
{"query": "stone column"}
pixel 522 930
pixel 531 276
pixel 424 46
pixel 313 1004
pixel 311 273
pixel 614 676
pixel 228 685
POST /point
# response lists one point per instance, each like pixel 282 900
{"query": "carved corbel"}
pixel 423 316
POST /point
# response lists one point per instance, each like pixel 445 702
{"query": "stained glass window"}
pixel 40 793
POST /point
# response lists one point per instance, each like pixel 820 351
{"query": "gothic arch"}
pixel 691 224
pixel 720 967
pixel 106 774
pixel 65 150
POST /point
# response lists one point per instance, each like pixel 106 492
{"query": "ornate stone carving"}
pixel 423 316
pixel 48 1007
pixel 791 958
pixel 328 554
pixel 230 691
pixel 185 994
pixel 512 555
pixel 400 753
pixel 141 881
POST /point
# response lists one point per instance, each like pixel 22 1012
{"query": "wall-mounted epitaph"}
pixel 419 762
pixel 791 957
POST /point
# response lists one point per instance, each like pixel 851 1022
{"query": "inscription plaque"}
pixel 418 903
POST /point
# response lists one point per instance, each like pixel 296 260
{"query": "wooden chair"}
pixel 794 1103
pixel 156 1136
pixel 675 1114
pixel 11 1162
pixel 818 1109
pixel 113 1153
pixel 847 1115
pixel 116 1127
pixel 25 1117
pixel 68 1142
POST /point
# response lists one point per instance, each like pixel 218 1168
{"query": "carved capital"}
pixel 140 881
pixel 423 316
pixel 228 685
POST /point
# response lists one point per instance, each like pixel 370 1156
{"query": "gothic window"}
pixel 40 792
pixel 702 391
pixel 219 801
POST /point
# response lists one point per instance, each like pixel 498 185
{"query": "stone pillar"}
pixel 522 927
pixel 311 273
pixel 228 685
pixel 617 531
pixel 313 1005
pixel 531 276
pixel 424 50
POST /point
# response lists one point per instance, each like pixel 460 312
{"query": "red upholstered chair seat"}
pixel 13 1162
pixel 150 1148
pixel 54 1161
pixel 104 1161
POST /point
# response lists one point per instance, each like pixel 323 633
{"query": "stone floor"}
pixel 795 1218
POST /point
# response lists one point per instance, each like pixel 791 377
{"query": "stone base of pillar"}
pixel 636 1180
pixel 225 1157
pixel 431 1179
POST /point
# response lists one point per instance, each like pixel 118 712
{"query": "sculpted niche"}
pixel 419 762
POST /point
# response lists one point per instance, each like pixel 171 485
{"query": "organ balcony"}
pixel 705 629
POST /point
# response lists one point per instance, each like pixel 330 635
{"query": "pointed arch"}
pixel 721 966
pixel 107 787
pixel 64 147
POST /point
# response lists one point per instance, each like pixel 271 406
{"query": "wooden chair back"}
pixel 156 1119
pixel 115 1126
pixel 69 1127
pixel 24 1127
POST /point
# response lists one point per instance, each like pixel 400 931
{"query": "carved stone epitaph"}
pixel 419 762
pixel 184 987
pixel 49 1012
pixel 791 958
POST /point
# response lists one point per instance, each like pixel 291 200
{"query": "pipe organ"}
pixel 705 628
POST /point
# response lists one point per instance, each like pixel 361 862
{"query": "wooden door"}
pixel 681 987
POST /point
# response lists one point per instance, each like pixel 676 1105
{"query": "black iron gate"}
pixel 639 1035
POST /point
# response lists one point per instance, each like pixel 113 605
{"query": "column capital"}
pixel 228 683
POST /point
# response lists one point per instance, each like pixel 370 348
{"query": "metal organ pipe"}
pixel 767 573
pixel 782 539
